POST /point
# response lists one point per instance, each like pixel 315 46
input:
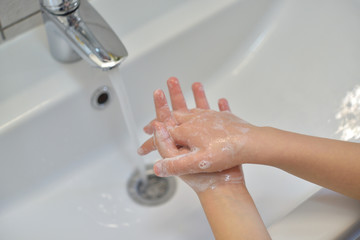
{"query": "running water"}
pixel 118 84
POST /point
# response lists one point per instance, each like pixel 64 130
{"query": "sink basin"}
pixel 64 165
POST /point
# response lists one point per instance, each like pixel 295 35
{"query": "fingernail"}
pixel 198 85
pixel 148 130
pixel 172 82
pixel 140 151
pixel 159 94
pixel 159 170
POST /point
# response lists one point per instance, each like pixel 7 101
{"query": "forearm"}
pixel 330 163
pixel 232 214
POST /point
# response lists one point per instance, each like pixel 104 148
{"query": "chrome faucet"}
pixel 75 29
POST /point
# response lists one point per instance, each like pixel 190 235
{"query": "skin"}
pixel 330 163
pixel 227 204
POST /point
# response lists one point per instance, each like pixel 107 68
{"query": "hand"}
pixel 214 142
pixel 170 149
pixel 206 140
pixel 199 182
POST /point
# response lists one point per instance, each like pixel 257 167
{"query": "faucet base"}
pixel 58 45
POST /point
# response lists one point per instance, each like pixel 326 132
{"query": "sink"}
pixel 65 164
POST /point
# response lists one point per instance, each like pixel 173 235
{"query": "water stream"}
pixel 119 86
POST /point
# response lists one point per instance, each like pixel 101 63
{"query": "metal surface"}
pixel 60 7
pixel 75 29
pixel 157 190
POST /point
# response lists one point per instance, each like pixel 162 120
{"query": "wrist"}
pixel 224 189
pixel 232 213
pixel 263 147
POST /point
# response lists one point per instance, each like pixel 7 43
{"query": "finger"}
pixel 170 122
pixel 196 161
pixel 147 147
pixel 223 105
pixel 177 98
pixel 148 128
pixel 191 162
pixel 199 95
pixel 161 106
pixel 163 141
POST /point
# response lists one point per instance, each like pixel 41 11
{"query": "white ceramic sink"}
pixel 64 165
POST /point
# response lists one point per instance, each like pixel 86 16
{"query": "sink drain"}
pixel 101 97
pixel 157 191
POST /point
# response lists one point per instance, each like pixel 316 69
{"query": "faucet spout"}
pixel 76 30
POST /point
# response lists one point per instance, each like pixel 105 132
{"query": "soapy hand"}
pixel 206 140
pixel 168 148
pixel 202 139
pixel 214 142
pixel 199 182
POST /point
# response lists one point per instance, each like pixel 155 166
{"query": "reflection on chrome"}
pixel 349 116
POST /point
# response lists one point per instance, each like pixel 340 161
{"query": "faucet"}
pixel 76 30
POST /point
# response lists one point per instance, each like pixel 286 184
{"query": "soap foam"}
pixel 204 164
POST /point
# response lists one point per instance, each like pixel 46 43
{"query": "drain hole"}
pixel 101 97
pixel 157 191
